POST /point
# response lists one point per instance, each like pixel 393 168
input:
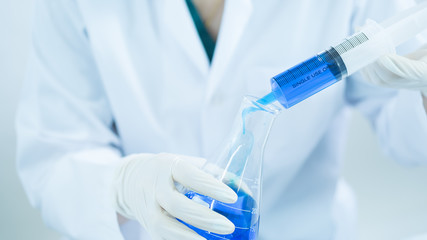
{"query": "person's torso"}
pixel 167 98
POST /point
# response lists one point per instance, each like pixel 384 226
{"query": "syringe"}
pixel 354 53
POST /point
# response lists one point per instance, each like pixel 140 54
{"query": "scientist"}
pixel 125 98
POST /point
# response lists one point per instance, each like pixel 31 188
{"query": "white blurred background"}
pixel 392 200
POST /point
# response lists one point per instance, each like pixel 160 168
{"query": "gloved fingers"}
pixel 201 182
pixel 196 161
pixel 405 68
pixel 170 229
pixel 162 227
pixel 386 73
pixel 181 207
pixel 371 74
pixel 400 72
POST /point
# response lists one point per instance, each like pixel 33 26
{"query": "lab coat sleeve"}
pixel 67 148
pixel 397 116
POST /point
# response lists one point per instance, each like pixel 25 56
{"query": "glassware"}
pixel 239 165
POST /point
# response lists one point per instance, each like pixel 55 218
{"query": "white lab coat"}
pixel 110 78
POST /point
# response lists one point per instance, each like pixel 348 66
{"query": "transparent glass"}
pixel 239 165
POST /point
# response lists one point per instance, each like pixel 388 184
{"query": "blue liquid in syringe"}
pixel 306 79
pixel 289 88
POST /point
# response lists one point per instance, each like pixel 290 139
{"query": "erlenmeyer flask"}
pixel 239 165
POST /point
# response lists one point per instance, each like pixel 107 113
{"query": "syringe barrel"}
pixel 354 53
pixel 385 37
pixel 406 24
pixel 308 78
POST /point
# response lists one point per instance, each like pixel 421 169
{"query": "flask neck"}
pixel 242 156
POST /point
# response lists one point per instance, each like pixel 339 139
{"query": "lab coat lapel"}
pixel 235 19
pixel 181 27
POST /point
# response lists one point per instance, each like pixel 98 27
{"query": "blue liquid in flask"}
pixel 242 213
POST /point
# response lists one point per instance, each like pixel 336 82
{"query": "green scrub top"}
pixel 207 40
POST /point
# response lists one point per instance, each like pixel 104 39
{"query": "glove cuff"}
pixel 124 186
pixel 117 189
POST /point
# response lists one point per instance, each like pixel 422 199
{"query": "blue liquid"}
pixel 267 99
pixel 239 153
pixel 245 113
pixel 242 213
pixel 308 78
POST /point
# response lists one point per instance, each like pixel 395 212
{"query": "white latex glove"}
pixel 401 72
pixel 144 189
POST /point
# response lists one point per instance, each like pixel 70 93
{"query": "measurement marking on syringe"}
pixel 351 43
pixel 352 54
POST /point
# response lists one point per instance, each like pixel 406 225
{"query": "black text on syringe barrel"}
pixel 308 78
pixel 315 74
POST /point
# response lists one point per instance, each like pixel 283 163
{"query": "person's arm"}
pixel 398 116
pixel 400 72
pixel 67 151
pixel 69 155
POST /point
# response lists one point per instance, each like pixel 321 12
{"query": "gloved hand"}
pixel 394 71
pixel 144 189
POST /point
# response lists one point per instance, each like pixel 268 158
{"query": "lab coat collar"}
pixel 181 27
pixel 234 22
